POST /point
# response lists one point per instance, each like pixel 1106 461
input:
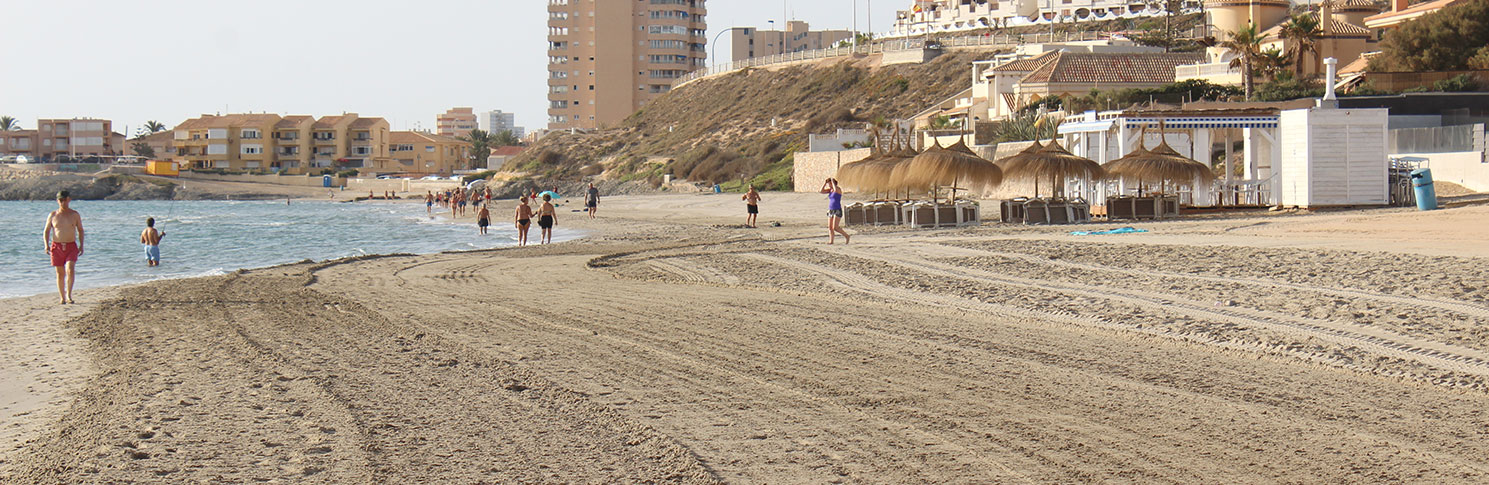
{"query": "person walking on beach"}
pixel 150 238
pixel 752 205
pixel 592 200
pixel 429 202
pixel 834 210
pixel 547 217
pixel 63 238
pixel 483 218
pixel 524 220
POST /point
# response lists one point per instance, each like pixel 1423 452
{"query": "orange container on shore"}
pixel 162 168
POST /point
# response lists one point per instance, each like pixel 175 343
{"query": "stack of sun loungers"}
pixel 1046 211
pixel 933 214
pixel 1145 207
pixel 878 213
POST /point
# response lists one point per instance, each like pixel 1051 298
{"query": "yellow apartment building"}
pixel 271 143
pixel 19 142
pixel 607 59
pixel 420 153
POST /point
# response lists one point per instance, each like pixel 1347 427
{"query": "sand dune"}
pixel 672 346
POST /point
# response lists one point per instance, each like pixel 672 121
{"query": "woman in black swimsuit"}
pixel 524 220
pixel 547 216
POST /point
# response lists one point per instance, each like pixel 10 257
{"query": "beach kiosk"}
pixel 162 168
pixel 1333 157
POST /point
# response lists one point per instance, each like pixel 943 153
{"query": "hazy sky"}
pixel 407 61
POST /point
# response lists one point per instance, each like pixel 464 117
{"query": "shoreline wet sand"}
pixel 673 345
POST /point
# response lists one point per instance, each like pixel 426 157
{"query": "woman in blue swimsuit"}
pixel 834 210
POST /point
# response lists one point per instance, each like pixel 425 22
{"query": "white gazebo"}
pixel 1249 179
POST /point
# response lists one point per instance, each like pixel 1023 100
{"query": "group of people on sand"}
pixel 547 216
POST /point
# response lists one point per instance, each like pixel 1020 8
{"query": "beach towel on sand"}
pixel 1123 230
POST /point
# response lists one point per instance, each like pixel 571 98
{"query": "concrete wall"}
pixel 378 186
pixel 835 141
pixel 909 56
pixel 811 168
pixel 295 180
pixel 1468 169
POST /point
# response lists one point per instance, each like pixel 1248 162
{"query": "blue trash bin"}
pixel 326 181
pixel 1421 182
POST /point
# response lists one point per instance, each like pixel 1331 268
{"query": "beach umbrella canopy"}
pixel 1003 162
pixel 939 166
pixel 853 174
pixel 551 194
pixel 1162 164
pixel 1053 163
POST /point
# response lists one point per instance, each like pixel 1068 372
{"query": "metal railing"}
pixel 900 44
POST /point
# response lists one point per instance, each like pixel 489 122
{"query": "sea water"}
pixel 217 237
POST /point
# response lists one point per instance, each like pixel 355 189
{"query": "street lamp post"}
pixel 714 49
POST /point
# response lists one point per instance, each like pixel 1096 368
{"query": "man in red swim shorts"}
pixel 63 238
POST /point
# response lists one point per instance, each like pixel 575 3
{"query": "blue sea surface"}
pixel 217 237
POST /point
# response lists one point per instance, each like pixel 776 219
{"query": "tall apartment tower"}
pixel 602 68
pixel 498 121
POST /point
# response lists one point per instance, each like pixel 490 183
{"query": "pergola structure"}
pixel 1200 134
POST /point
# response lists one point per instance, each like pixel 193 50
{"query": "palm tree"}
pixel 154 126
pixel 1246 44
pixel 1273 62
pixel 9 124
pixel 480 147
pixel 1302 32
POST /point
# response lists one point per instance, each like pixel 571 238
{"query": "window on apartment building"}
pixel 249 134
pixel 429 148
pixel 252 149
pixel 217 149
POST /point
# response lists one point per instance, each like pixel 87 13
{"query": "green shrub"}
pixel 1462 83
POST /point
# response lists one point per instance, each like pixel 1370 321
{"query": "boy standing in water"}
pixel 63 238
pixel 151 239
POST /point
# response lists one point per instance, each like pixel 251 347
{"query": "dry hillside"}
pixel 747 123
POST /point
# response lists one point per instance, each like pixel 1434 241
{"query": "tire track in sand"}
pixel 1454 306
pixel 1435 354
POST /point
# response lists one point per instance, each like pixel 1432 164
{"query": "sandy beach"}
pixel 674 345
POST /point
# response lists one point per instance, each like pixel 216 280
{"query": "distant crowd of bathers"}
pixel 461 202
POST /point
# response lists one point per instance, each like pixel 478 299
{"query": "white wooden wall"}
pixel 1333 157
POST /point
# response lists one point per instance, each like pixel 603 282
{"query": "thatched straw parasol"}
pixel 855 175
pixel 937 167
pixel 1162 164
pixel 1003 162
pixel 1052 163
pixel 874 174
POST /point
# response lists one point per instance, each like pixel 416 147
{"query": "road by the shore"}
pixel 673 345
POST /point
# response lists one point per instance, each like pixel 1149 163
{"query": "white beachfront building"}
pixel 952 16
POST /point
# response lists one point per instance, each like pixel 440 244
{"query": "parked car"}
pixel 24 159
pixel 8 159
pixel 432 177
